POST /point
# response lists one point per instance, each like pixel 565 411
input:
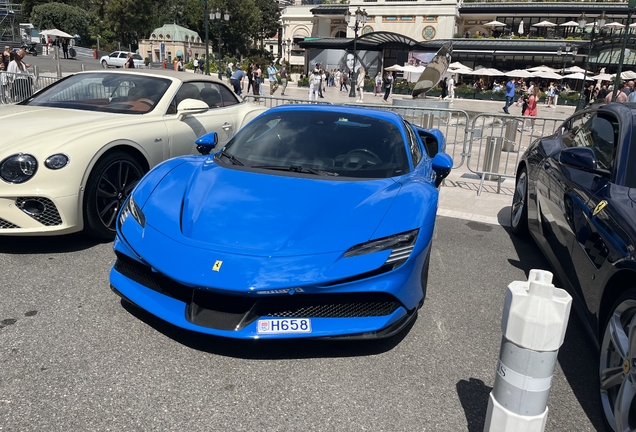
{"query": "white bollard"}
pixel 533 325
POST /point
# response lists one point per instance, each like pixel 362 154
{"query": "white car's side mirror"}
pixel 191 106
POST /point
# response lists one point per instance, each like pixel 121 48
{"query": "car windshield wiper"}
pixel 296 168
pixel 231 157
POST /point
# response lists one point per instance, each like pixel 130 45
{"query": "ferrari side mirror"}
pixel 206 143
pixel 442 165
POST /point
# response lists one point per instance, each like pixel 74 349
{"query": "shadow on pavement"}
pixel 578 355
pixel 276 349
pixel 45 244
pixel 473 395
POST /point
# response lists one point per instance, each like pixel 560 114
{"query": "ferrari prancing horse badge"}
pixel 217 266
pixel 600 206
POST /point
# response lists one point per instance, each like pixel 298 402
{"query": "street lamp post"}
pixel 219 25
pixel 600 22
pixel 360 19
pixel 207 36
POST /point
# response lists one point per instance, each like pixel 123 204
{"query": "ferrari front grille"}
pixel 41 209
pixel 7 225
pixel 232 312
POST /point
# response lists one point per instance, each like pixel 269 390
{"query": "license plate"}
pixel 280 326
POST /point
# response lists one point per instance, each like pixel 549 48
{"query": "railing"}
pixel 273 101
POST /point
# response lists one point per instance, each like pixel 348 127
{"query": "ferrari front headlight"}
pixel 131 208
pixel 401 246
pixel 18 168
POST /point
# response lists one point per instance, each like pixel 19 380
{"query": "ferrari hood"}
pixel 270 214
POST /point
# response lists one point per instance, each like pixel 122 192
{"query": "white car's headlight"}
pixel 401 245
pixel 18 168
pixel 132 209
pixel 57 161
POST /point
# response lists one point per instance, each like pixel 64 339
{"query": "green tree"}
pixel 270 19
pixel 71 19
pixel 129 19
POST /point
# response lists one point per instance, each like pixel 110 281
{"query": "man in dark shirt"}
pixel 250 78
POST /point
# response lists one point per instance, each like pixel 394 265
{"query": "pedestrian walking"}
pixel 444 86
pixel 377 89
pixel 387 83
pixel 195 63
pixel 256 75
pixel 451 89
pixel 510 95
pixel 360 85
pixel 237 80
pixel 272 73
pixel 314 83
pixel 250 77
pixel 283 80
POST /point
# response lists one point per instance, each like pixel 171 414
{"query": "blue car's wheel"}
pixel 519 208
pixel 110 183
pixel 617 364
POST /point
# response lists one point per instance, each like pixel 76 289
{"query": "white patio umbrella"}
pixel 56 33
pixel 575 69
pixel 578 76
pixel 547 75
pixel 544 24
pixel 458 65
pixel 633 24
pixel 488 72
pixel 519 73
pixel 569 24
pixel 413 69
pixel 520 31
pixel 542 68
pixel 394 68
pixel 603 77
pixel 615 25
pixel 461 71
pixel 494 24
pixel 626 75
pixel 592 24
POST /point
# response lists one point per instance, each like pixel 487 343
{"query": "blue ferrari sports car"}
pixel 312 221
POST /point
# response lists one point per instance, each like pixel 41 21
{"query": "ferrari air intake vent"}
pixel 330 306
pixel 41 209
pixel 6 224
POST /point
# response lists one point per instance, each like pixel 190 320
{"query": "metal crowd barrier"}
pixel 274 101
pixel 15 87
pixel 452 123
pixel 496 142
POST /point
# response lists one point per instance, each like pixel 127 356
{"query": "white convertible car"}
pixel 71 154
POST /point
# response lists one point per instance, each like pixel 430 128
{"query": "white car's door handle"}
pixel 226 126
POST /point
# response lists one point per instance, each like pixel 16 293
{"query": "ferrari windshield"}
pixel 325 143
pixel 104 92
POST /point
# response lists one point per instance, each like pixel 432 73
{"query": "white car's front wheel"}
pixel 104 64
pixel 111 181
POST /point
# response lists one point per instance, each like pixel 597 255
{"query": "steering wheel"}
pixel 359 158
pixel 146 101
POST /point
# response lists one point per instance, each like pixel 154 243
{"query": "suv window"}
pixel 600 133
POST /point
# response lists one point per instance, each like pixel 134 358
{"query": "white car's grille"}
pixel 41 209
pixel 7 225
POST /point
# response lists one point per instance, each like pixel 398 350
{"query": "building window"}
pixel 367 29
pixel 431 18
pixel 341 34
pixel 336 21
pixel 406 18
pixel 370 18
pixel 389 18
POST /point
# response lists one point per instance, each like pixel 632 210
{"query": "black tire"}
pixel 104 64
pixel 109 184
pixel 519 207
pixel 617 369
